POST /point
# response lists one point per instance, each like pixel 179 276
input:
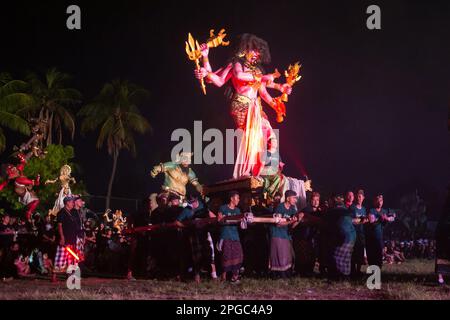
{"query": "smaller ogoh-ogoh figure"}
pixel 177 175
pixel 14 171
pixel 276 182
pixel 249 84
pixel 34 144
pixel 64 179
pixel 22 185
pixel 119 220
pixel 23 188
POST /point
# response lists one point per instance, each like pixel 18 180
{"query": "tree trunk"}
pixel 44 133
pixel 111 179
pixel 49 128
pixel 59 132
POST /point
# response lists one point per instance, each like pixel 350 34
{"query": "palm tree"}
pixel 114 111
pixel 51 103
pixel 12 97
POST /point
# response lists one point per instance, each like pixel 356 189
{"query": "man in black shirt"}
pixel 68 229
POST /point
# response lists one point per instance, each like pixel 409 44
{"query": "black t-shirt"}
pixel 70 225
pixel 79 213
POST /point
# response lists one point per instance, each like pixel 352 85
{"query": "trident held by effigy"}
pixel 194 53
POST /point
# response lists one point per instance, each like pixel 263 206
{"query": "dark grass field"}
pixel 413 280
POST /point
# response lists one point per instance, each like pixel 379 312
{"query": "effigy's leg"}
pixel 239 110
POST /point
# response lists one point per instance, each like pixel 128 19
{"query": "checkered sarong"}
pixel 80 248
pixel 63 258
pixel 342 256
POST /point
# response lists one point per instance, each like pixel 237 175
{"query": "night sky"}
pixel 370 110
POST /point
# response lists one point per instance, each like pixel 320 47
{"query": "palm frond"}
pixel 67 119
pixel 138 95
pixel 136 122
pixel 13 86
pixel 106 131
pixel 17 102
pixel 94 115
pixel 68 94
pixel 37 86
pixel 115 111
pixel 14 122
pixel 55 79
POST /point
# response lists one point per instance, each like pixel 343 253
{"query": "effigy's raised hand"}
pixel 201 73
pixel 286 88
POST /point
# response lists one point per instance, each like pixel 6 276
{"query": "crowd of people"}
pixel 332 238
pixel 395 251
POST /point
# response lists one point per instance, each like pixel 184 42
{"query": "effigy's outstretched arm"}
pixel 265 95
pixel 269 80
pixel 274 103
pixel 220 77
pixel 162 168
pixel 194 181
pixel 283 88
pixel 48 181
pixel 157 170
